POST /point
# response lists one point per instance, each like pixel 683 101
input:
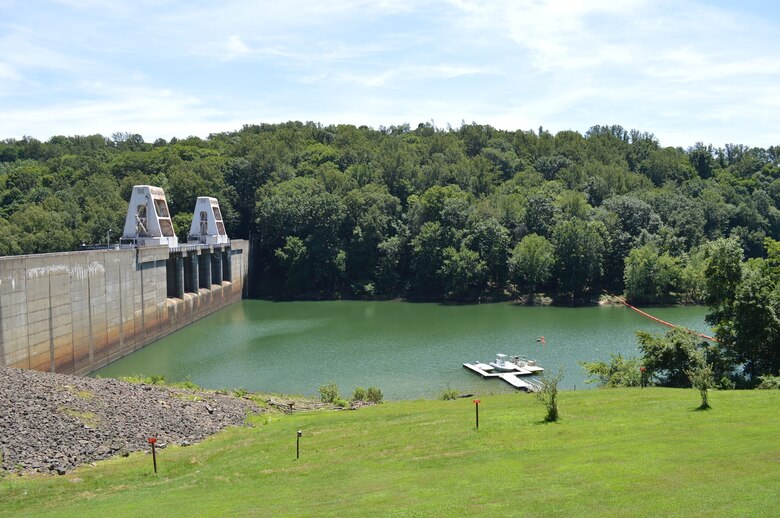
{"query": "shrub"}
pixel 548 395
pixel 619 372
pixel 374 395
pixel 769 382
pixel 329 392
pixel 449 395
pixel 240 392
pixel 359 394
pixel 726 383
pixel 187 384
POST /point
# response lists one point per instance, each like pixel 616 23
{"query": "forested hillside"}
pixel 473 213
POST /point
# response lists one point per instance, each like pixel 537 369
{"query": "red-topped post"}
pixel 476 408
pixel 153 441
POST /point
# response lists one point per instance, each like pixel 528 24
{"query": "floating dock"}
pixel 527 385
pixel 511 377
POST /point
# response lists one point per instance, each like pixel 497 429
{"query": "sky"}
pixel 686 71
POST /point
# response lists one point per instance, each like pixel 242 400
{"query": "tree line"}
pixel 463 214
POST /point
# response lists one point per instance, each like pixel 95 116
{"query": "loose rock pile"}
pixel 53 422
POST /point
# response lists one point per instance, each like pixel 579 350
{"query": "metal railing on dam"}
pixel 74 312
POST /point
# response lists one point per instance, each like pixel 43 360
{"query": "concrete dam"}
pixel 74 312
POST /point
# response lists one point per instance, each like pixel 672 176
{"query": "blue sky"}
pixel 686 71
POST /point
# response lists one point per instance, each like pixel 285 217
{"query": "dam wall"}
pixel 75 312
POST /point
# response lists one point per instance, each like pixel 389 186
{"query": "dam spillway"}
pixel 74 312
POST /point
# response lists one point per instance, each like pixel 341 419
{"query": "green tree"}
pixel 302 208
pixel 773 257
pixel 181 225
pixel 579 254
pixel 294 258
pixel 372 217
pixel 463 273
pixel 427 258
pixel 618 372
pixel 42 230
pixel 397 167
pixel 531 263
pixel 650 277
pixel 666 164
pixel 755 338
pixel 693 282
pixel 723 272
pixel 9 235
pixel 668 357
pixel 391 270
pixel 702 379
pixel 490 239
pixel 541 212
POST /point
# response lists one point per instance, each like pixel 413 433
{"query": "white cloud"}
pixel 112 108
pixel 685 71
pixel 557 33
pixel 407 73
pixel 235 47
pixel 25 48
pixel 7 73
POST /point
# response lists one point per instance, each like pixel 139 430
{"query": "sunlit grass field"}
pixel 614 452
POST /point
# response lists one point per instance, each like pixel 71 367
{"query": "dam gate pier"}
pixel 74 312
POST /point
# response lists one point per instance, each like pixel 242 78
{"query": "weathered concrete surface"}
pixel 75 312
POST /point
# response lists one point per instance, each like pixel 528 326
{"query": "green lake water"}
pixel 408 350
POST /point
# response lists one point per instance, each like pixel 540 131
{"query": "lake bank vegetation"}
pixel 458 214
pixel 744 301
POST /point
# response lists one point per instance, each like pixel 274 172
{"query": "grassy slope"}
pixel 615 452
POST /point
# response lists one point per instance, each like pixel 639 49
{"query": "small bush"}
pixel 359 394
pixel 154 379
pixel 240 392
pixel 259 400
pixel 548 395
pixel 374 395
pixel 449 395
pixel 187 384
pixel 329 392
pixel 726 383
pixel 618 372
pixel 341 403
pixel 769 382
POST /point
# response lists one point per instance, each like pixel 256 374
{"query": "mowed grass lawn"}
pixel 615 452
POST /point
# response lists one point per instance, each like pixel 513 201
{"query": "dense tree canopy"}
pixel 464 214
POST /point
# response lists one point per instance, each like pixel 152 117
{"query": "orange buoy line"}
pixel 664 322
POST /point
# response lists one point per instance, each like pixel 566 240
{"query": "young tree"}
pixel 702 379
pixel 548 395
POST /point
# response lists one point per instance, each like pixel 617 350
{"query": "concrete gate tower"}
pixel 207 227
pixel 148 221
